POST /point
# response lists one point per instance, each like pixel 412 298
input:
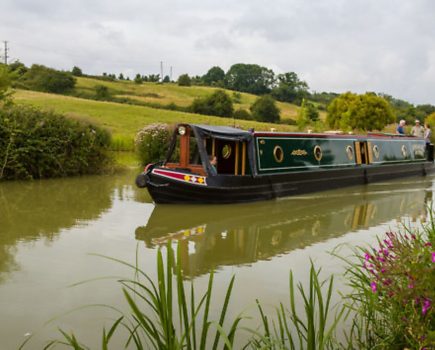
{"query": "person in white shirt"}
pixel 417 130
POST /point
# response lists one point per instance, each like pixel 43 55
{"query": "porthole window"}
pixel 404 152
pixel 226 151
pixel 318 153
pixel 278 154
pixel 376 151
pixel 349 152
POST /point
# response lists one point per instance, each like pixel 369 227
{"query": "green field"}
pixel 172 93
pixel 124 120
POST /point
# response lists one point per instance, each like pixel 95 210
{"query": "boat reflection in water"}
pixel 212 236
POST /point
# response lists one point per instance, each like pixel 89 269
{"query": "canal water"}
pixel 53 234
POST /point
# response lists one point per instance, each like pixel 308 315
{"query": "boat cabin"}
pixel 242 153
pixel 194 146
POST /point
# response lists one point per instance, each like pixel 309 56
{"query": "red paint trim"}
pixel 193 179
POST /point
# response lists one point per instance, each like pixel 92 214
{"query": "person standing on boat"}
pixel 417 129
pixel 427 133
pixel 401 127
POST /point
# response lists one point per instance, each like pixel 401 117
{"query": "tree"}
pixel 76 71
pixel 250 78
pixel 17 69
pixel 121 76
pixel 290 88
pixel 184 80
pixel 265 109
pixel 166 79
pixel 138 79
pixel 366 112
pixel 308 114
pixel 218 103
pixel 5 84
pixel 214 76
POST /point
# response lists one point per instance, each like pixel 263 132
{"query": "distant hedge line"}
pixel 38 144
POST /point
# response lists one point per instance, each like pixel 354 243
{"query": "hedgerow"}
pixel 39 144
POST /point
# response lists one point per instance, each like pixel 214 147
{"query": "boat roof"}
pixel 227 132
pixel 224 132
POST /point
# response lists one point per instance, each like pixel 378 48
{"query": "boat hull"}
pixel 237 189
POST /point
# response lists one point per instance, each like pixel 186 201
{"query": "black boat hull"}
pixel 236 189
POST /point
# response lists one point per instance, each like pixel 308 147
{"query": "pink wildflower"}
pixel 426 306
pixel 374 287
pixel 428 244
pixel 367 256
pixel 433 256
pixel 411 285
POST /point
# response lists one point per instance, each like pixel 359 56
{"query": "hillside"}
pixel 165 94
pixel 124 120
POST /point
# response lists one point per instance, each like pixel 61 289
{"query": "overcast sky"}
pixel 334 45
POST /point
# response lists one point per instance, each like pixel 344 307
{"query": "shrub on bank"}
pixel 38 144
pixel 152 143
pixel 394 290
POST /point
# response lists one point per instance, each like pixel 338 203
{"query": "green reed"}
pixel 165 314
pixel 311 330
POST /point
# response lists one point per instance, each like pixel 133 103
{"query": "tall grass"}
pixel 166 314
pixel 311 330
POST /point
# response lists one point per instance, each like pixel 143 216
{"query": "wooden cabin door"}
pixel 363 152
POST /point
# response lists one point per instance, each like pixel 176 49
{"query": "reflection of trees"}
pixel 41 209
pixel 214 236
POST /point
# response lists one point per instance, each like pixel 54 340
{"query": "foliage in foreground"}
pixel 393 292
pixel 36 144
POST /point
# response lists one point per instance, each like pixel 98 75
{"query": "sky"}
pixel 383 46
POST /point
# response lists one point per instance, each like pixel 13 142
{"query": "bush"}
pixel 46 79
pixel 218 103
pixel 102 92
pixel 242 114
pixel 184 80
pixel 264 109
pixel 37 144
pixel 76 71
pixel 152 143
pixel 395 290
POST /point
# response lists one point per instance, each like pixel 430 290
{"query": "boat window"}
pixel 376 151
pixel 226 151
pixel 404 151
pixel 349 152
pixel 278 154
pixel 318 153
pixel 194 157
pixel 174 157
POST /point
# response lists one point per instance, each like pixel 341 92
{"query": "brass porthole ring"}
pixel 376 151
pixel 278 154
pixel 226 151
pixel 349 152
pixel 404 152
pixel 318 153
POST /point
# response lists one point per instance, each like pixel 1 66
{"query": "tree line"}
pixel 370 111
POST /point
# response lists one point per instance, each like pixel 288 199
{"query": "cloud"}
pixel 335 45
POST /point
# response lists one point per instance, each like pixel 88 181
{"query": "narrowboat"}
pixel 218 164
